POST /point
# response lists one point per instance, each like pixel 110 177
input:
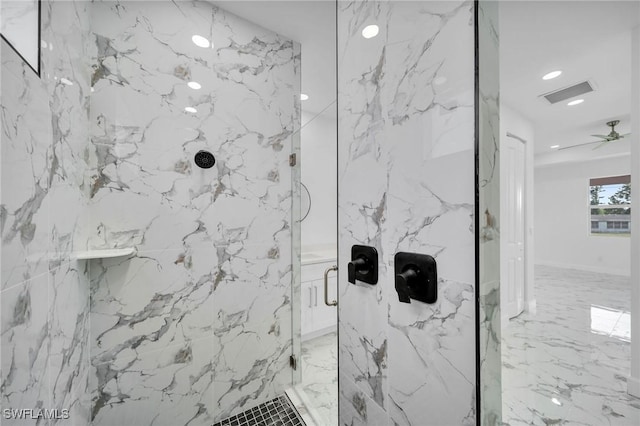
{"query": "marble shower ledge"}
pixel 103 253
pixel 318 257
pixel 319 253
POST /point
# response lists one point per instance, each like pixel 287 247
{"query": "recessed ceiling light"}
pixel 552 74
pixel 304 96
pixel 576 102
pixel 555 146
pixel 200 41
pixel 555 401
pixel 370 31
pixel 194 85
pixel 191 110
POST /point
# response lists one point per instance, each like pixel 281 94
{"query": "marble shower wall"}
pixel 44 294
pixel 197 325
pixel 489 217
pixel 407 183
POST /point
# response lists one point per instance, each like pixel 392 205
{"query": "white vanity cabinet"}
pixel 316 317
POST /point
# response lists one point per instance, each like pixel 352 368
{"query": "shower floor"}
pixel 320 377
pixel 277 412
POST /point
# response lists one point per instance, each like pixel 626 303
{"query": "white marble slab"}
pixel 215 247
pixel 319 384
pixel 406 178
pixel 489 213
pixel 45 296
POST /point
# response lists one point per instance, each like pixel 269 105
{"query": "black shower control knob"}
pixel 403 284
pixel 416 277
pixel 363 265
pixel 204 159
pixel 355 266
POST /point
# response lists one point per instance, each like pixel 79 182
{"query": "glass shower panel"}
pixel 197 325
pixel 418 117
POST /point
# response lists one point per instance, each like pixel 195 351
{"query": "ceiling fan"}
pixel 605 139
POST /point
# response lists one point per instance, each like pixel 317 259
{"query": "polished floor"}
pixel 564 364
pixel 320 377
pixel 567 363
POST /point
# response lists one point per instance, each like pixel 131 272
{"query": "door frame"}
pixel 527 282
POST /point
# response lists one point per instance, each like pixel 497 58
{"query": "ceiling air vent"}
pixel 568 92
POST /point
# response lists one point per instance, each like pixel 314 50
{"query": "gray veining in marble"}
pixel 44 295
pixel 489 212
pixel 406 179
pixel 567 362
pixel 319 363
pixel 98 154
pixel 198 322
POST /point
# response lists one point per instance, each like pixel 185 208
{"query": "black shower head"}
pixel 204 159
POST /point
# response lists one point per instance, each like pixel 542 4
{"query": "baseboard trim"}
pixel 601 270
pixel 633 386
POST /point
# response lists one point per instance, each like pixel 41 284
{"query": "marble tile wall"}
pixel 44 293
pixel 407 183
pixel 489 217
pixel 197 325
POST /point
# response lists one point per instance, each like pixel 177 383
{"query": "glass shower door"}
pixel 198 325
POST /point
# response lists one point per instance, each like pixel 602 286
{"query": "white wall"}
pixel 318 164
pixel 513 122
pixel 562 219
pixel 633 381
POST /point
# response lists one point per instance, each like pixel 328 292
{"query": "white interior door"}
pixel 515 221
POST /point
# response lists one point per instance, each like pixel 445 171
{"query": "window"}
pixel 610 205
pixel 617 225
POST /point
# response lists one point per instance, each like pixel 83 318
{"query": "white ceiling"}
pixel 587 40
pixel 312 23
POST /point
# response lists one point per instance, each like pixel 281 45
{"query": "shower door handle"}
pixel 326 286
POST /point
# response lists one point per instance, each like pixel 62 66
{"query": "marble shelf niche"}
pixel 104 253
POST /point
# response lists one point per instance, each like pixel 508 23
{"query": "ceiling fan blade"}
pixel 603 144
pixel 601 136
pixel 582 144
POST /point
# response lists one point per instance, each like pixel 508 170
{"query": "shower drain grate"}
pixel 277 412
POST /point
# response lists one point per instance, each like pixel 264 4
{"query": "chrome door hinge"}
pixel 293 362
pixel 292 160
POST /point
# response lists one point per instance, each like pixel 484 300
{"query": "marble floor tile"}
pixel 320 377
pixel 567 362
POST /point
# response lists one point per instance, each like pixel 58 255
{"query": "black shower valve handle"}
pixel 356 265
pixel 363 267
pixel 402 284
pixel 416 277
